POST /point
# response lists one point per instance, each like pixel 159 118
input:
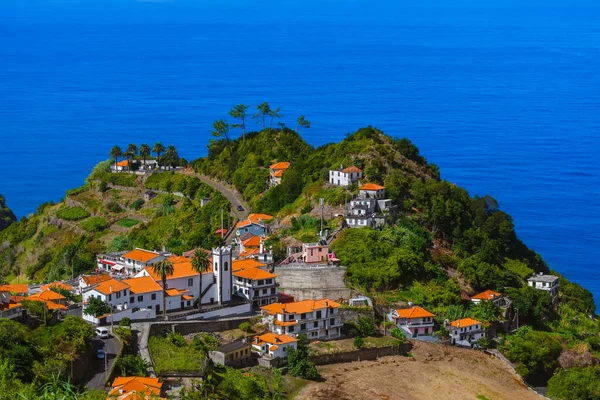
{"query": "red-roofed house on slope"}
pixel 345 176
pixel 414 321
pixel 465 332
pixel 276 172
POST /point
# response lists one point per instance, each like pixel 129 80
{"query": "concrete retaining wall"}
pixel 186 327
pixel 245 308
pixel 313 283
pixel 364 354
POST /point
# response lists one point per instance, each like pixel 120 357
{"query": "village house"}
pixel 135 388
pixel 19 289
pixel 251 246
pixel 489 295
pixel 371 191
pixel 86 281
pixel 345 176
pixel 548 283
pixel 361 212
pixel 276 172
pixel 315 252
pixel 271 345
pixel 318 319
pixel 113 292
pixel 49 295
pixel 253 283
pixel 236 354
pixel 57 285
pixel 414 321
pixel 144 292
pixel 254 224
pixel 105 262
pixel 120 166
pixel 10 307
pixel 465 332
pixel 138 259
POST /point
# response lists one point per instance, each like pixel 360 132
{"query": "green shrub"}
pixel 358 342
pixel 125 321
pixel 122 179
pixel 95 224
pixel 73 213
pixel 114 207
pixel 128 222
pixel 136 205
pixel 103 186
pixel 365 326
pixel 76 191
pixel 398 333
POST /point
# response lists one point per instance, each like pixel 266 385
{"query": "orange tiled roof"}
pixel 371 186
pixel 300 307
pixel 464 322
pixel 144 284
pixel 219 231
pixel 351 168
pixel 94 279
pixel 237 265
pixel 175 292
pixel 57 284
pixel 123 163
pixel 137 384
pixel 50 304
pixel 47 295
pixel 141 255
pixel 254 219
pixel 273 348
pixel 182 267
pixel 283 165
pixel 111 286
pixel 15 288
pixel 414 312
pixel 487 295
pixel 187 297
pixel 273 338
pixel 248 253
pixel 254 241
pixel 254 274
pixel 9 305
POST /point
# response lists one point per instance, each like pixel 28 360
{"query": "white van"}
pixel 102 333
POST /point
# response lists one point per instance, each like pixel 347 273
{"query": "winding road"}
pixel 98 368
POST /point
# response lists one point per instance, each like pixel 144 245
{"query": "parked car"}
pixel 240 208
pixel 102 333
pixel 100 353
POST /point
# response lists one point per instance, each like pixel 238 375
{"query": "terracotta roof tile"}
pixel 350 169
pixel 414 312
pixel 254 241
pixel 282 165
pixel 487 295
pixel 300 307
pixel 110 286
pixel 94 279
pixel 464 322
pixel 273 338
pixel 254 274
pixel 146 386
pixel 144 284
pixel 141 255
pixel 57 284
pixel 371 186
pixel 15 288
pixel 47 295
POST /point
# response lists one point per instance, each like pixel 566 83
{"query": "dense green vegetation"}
pixel 35 364
pixel 172 353
pixel 7 217
pixel 73 213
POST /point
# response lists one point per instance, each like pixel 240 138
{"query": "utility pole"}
pixel 322 203
pixel 221 223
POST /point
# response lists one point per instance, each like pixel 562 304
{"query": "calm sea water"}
pixel 504 99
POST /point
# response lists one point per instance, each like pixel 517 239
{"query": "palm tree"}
pixel 115 153
pixel 144 152
pixel 171 155
pixel 163 269
pixel 200 265
pixel 158 148
pixel 130 153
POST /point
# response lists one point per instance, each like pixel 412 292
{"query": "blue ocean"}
pixel 503 96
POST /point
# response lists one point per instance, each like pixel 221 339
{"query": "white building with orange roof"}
pixel 138 259
pixel 489 295
pixel 10 306
pixel 49 295
pixel 135 388
pixel 19 289
pixel 58 285
pixel 317 319
pixel 86 281
pixel 465 331
pixel 120 166
pixel 414 321
pixel 113 292
pixel 251 281
pixel 345 176
pixel 372 191
pixel 144 292
pixel 254 224
pixel 276 172
pixel 271 345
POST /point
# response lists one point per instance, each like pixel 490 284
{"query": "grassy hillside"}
pixel 108 213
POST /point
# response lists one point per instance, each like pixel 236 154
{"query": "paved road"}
pixel 234 197
pixel 96 373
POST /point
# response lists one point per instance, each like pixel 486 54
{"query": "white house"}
pixel 138 259
pixel 465 331
pixel 545 282
pixel 489 295
pixel 271 345
pixel 144 293
pixel 318 319
pixel 86 281
pixel 345 176
pixel 113 292
pixel 372 191
pixel 253 283
pixel 9 306
pixel 276 172
pixel 414 321
pixel 120 166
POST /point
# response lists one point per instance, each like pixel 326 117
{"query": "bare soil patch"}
pixel 433 372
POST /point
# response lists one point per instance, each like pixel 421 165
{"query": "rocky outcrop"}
pixel 7 217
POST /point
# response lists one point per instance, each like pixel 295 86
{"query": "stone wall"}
pixel 350 314
pixel 313 283
pixel 364 354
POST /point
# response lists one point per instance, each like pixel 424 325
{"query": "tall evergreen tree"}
pixel 239 112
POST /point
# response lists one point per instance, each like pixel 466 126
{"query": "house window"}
pixel 131 299
pixel 272 290
pixel 256 293
pixel 303 316
pixel 332 321
pixel 140 298
pixel 303 327
pixel 110 297
pixel 153 296
pixel 291 317
pixel 118 295
pixel 290 329
pixel 226 266
pixel 316 324
pixel 264 291
pixel 125 292
pixel 269 281
pixel 190 282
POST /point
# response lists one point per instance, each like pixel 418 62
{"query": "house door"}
pixel 157 309
pixel 182 304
